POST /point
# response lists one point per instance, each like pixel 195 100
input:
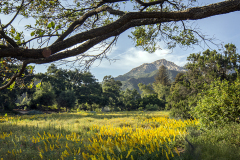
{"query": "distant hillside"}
pixel 146 72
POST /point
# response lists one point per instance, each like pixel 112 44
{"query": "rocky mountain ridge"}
pixel 146 72
pixel 149 67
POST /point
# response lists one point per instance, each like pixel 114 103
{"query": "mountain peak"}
pixel 146 72
pixel 150 67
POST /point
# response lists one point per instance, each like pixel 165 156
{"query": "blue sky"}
pixel 225 28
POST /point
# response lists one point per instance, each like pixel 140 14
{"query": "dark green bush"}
pixel 151 107
pixel 218 105
pixel 149 99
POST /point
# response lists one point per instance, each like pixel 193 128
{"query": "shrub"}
pixel 219 105
pixel 116 109
pixel 95 106
pixel 149 99
pixel 151 107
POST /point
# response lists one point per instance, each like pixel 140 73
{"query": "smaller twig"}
pixel 14 16
pixel 38 37
pixel 95 21
pixel 174 5
pixel 13 78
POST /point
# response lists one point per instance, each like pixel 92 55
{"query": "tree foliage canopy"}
pixel 162 76
pixel 202 70
pixel 60 25
pixel 219 105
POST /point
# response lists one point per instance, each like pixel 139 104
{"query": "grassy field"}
pixel 113 135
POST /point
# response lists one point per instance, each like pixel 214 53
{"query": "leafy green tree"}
pixel 173 94
pixel 146 89
pixel 58 78
pixel 162 92
pixel 130 99
pixel 44 96
pixel 212 64
pixel 219 104
pixel 59 26
pixel 207 67
pixel 83 84
pixel 178 100
pixel 162 83
pixel 162 76
pixel 148 96
pixel 86 88
pixel 149 99
pixel 111 91
pixel 66 99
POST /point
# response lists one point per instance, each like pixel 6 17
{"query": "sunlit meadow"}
pixel 85 135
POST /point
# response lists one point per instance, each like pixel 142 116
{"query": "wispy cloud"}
pixel 134 57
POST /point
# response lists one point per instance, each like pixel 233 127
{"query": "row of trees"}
pixel 67 88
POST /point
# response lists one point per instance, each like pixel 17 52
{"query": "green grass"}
pixel 222 143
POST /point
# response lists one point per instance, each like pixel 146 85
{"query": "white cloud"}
pixel 134 57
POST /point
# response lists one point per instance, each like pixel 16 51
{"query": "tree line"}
pixel 73 89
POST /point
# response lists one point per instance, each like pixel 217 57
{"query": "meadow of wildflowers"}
pixel 86 136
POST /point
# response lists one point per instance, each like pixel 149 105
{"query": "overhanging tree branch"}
pixel 89 36
pixel 81 20
pixel 189 14
pixel 147 4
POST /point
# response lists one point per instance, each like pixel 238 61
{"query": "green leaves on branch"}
pixel 148 36
pixel 11 86
pixel 185 38
pixel 17 36
pixel 51 25
pixel 145 36
pixel 40 32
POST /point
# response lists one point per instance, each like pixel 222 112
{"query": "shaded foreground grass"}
pixel 222 143
pixel 117 135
